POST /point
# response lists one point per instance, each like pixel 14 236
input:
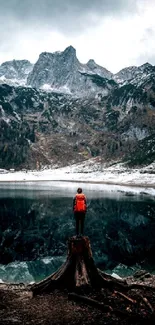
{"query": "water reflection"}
pixel 68 189
pixel 36 221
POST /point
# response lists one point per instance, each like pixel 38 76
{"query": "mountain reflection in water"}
pixel 36 221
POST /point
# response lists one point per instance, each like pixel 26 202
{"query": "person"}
pixel 79 209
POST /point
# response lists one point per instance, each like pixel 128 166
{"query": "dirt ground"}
pixel 108 306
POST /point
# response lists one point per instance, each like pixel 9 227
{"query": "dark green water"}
pixel 36 220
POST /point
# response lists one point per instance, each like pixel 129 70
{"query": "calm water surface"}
pixel 36 220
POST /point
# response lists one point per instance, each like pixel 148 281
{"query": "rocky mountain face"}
pixel 15 72
pixel 134 75
pixel 61 71
pixel 68 112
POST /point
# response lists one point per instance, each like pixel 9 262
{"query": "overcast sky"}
pixel 115 33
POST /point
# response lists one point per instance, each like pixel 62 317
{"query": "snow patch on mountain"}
pixel 64 89
pixel 135 133
pixel 3 115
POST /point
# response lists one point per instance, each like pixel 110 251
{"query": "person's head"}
pixel 79 190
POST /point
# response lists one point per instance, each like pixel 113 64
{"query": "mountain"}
pixel 134 75
pixel 61 71
pixel 15 72
pixel 97 69
pixel 86 112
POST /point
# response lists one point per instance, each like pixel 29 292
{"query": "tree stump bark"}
pixel 79 270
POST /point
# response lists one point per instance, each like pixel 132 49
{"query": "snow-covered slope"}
pixel 92 171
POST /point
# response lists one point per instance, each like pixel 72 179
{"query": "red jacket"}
pixel 79 203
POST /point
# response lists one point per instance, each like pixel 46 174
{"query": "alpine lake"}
pixel 36 220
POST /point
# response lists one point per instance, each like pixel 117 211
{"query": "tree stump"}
pixel 80 275
pixel 79 270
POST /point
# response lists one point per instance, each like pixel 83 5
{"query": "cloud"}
pixel 64 16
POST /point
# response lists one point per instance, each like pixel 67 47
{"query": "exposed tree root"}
pixel 90 301
pixel 128 315
pixel 124 296
pixel 147 303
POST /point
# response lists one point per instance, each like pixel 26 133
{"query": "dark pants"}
pixel 79 217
